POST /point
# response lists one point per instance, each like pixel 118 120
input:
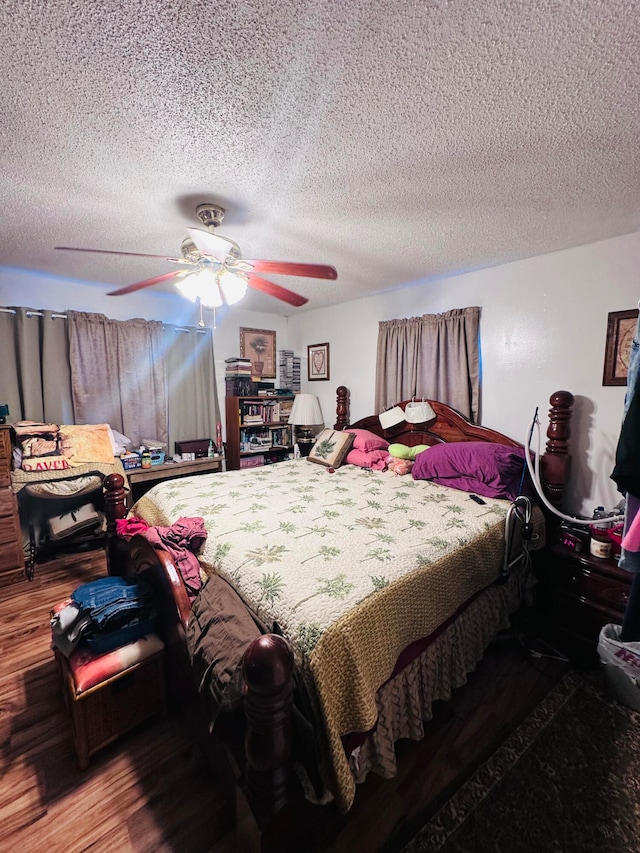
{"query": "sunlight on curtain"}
pixel 36 378
pixel 117 374
pixel 435 356
pixel 191 384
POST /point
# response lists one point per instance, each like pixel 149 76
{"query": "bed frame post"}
pixel 342 407
pixel 115 507
pixel 268 670
pixel 556 463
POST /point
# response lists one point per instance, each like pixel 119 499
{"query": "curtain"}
pixel 36 377
pixel 191 384
pixel 435 356
pixel 117 374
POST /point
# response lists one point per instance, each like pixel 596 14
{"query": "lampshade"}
pixel 306 411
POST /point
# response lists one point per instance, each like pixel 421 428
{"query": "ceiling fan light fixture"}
pixel 212 288
pixel 233 286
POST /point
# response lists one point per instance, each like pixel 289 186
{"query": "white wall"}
pixel 543 328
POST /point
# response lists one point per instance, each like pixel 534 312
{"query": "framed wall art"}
pixel 260 346
pixel 317 362
pixel 621 326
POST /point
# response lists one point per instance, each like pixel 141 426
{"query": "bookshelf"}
pixel 258 432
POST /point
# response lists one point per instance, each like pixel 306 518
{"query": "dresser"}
pixel 577 595
pixel 11 553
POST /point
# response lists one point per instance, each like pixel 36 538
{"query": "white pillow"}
pixel 119 442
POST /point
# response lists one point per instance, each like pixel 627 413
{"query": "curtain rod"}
pixel 64 317
pixel 34 314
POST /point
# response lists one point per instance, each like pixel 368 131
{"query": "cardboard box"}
pixel 199 446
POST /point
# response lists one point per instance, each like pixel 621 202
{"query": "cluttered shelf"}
pixel 142 479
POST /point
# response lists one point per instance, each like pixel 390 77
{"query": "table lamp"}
pixel 305 414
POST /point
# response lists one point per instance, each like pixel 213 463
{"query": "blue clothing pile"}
pixel 104 614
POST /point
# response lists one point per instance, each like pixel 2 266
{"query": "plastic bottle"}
pixel 600 543
pixel 219 437
pixel 210 450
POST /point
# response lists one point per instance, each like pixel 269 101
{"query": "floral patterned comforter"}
pixel 353 566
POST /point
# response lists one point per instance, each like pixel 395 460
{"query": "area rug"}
pixel 567 781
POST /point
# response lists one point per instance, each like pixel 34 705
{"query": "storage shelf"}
pixel 238 431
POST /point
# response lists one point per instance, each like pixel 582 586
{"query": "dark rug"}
pixel 566 781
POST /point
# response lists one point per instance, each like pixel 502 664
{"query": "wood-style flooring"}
pixel 151 792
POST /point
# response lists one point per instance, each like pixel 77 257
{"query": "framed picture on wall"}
pixel 621 326
pixel 260 346
pixel 317 362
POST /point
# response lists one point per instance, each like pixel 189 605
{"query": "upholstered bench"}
pixel 109 694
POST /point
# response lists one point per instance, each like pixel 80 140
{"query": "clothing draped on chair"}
pixel 36 377
pixel 435 356
pixel 117 374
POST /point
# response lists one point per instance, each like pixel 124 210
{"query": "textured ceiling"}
pixel 397 140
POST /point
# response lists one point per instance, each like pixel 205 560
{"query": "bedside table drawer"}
pixel 591 586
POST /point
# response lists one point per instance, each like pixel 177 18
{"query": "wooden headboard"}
pixel 449 425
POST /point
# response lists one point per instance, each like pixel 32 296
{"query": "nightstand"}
pixel 577 594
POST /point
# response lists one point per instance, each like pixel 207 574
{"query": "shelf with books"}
pixel 257 427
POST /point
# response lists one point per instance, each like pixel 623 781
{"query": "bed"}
pixel 358 599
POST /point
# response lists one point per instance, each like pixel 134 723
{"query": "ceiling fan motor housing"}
pixel 211 215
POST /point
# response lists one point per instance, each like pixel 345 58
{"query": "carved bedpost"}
pixel 268 670
pixel 342 407
pixel 115 507
pixel 556 463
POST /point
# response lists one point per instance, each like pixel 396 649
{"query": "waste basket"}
pixel 621 666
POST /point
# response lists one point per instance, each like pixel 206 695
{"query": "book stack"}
pixel 289 370
pixel 238 381
pixel 237 368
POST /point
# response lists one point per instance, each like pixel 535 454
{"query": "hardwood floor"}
pixel 150 791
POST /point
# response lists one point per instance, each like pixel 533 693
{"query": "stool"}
pixel 107 695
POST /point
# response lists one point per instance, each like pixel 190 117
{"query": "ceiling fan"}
pixel 216 273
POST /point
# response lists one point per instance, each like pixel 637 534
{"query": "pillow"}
pixel 82 443
pixel 331 447
pixel 491 470
pixel 376 459
pixel 366 441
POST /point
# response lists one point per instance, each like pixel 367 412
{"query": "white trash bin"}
pixel 621 666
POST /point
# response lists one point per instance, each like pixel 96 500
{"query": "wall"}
pixel 543 328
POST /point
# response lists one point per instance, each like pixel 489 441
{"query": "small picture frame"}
pixel 621 327
pixel 317 362
pixel 259 345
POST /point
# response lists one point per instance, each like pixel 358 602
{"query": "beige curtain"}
pixel 191 384
pixel 34 353
pixel 117 374
pixel 435 356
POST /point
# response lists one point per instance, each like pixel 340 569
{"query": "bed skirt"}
pixel 405 701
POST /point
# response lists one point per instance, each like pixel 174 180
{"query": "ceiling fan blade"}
pixel 276 290
pixel 148 282
pixel 292 268
pixel 210 244
pixel 128 254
